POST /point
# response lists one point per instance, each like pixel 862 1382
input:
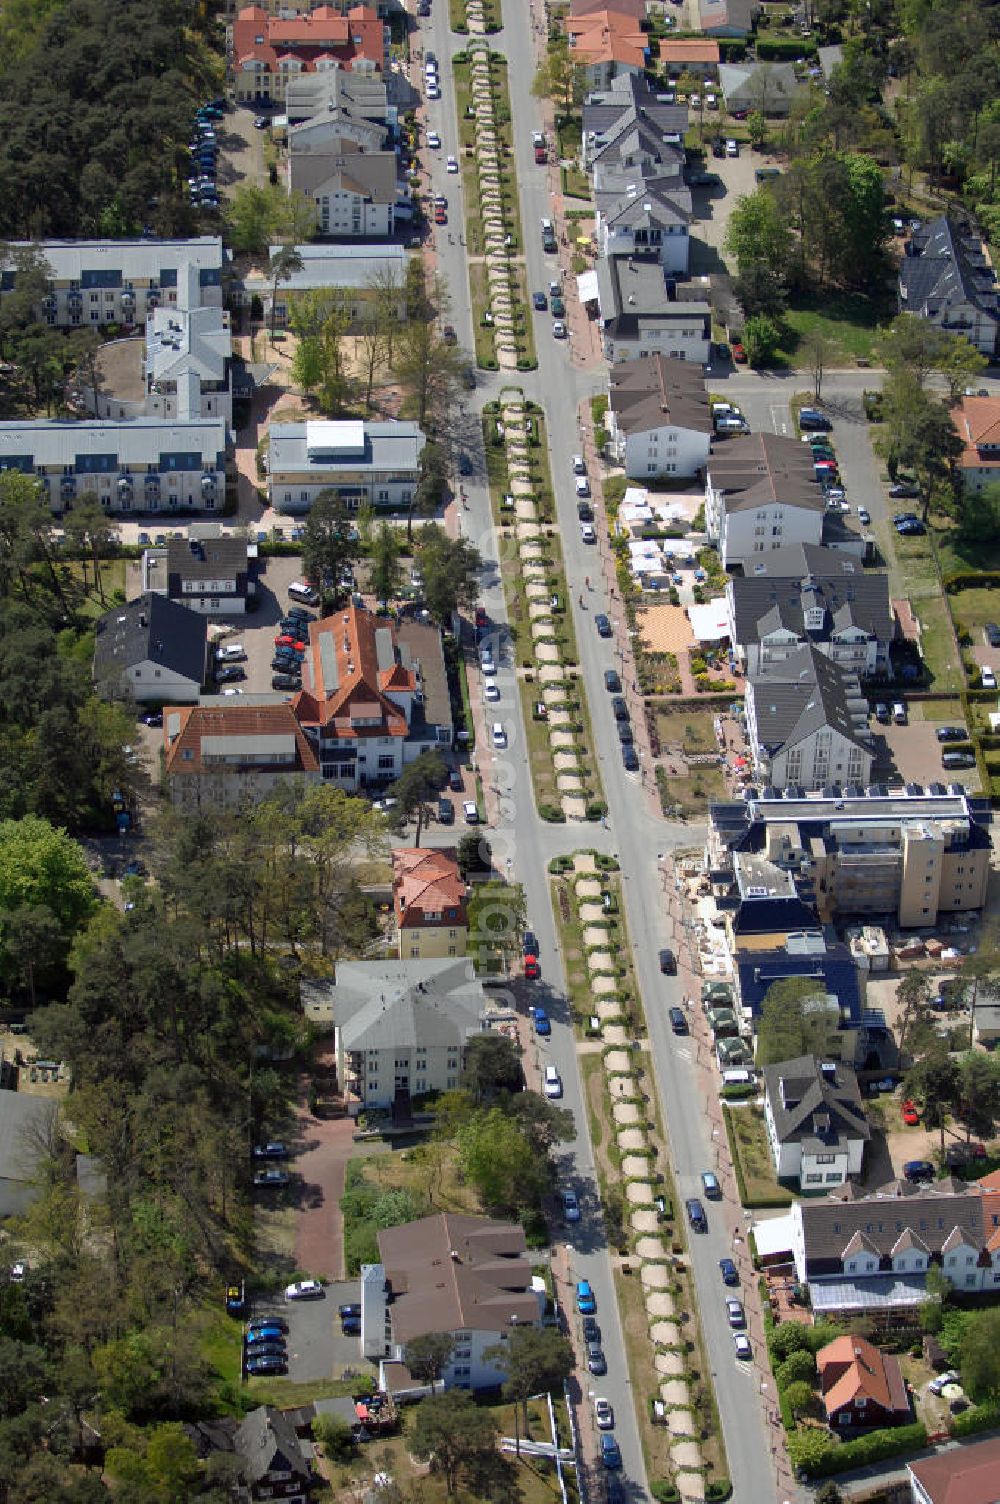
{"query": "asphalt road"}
pixel 638 838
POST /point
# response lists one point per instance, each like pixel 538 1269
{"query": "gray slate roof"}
pixel 636 201
pixel 944 267
pixel 434 1003
pixel 848 596
pixel 807 1105
pixel 931 1211
pixel 266 1443
pixel 152 629
pixel 802 695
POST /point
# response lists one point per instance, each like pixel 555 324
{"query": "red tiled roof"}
pixel 859 1370
pixel 322 33
pixel 607 36
pixel 977 420
pixel 357 695
pixel 184 750
pixel 425 881
pixel 689 50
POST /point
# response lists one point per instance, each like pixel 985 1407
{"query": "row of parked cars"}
pixel 203 147
pixel 735 1313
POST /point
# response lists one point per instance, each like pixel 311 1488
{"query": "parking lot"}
pixel 914 752
pixel 256 631
pixel 317 1349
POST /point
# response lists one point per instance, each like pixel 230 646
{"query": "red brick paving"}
pixel 322 1163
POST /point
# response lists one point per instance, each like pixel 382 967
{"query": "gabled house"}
pixel 230 755
pixel 977 420
pixel 805 593
pixel 816 1124
pixel 727 18
pixel 689 55
pixel 807 723
pixel 429 903
pixel 353 184
pixel 869 1252
pixel 946 278
pixel 862 1386
pixel 629 122
pixel 761 494
pixel 642 210
pixel 359 273
pixel 273 1462
pixel 374 696
pixel 342 96
pixel 209 574
pixel 639 317
pixel 964 1475
pixel 606 43
pixel 771 88
pixel 401 1028
pixel 658 417
pixel 151 648
pixel 468 1276
pixel 269 50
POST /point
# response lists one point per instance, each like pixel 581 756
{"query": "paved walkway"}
pixel 327 1145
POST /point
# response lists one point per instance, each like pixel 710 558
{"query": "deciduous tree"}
pixel 329 545
pixel 452 1433
pixel 450 567
pixel 428 1355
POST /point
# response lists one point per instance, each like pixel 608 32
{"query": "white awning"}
pixel 586 287
pixel 773 1235
pixel 709 623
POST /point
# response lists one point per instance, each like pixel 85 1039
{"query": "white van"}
pixel 299 590
pixel 738 1078
pixel 553 1082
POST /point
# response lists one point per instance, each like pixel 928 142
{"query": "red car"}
pixel 481 618
pixel 532 970
pixel 739 354
pixel 910 1115
pixel 440 217
pixel 284 641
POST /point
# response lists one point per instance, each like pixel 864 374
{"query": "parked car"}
pixel 529 944
pixel 603 624
pixel 539 302
pixel 277 1322
pixel 612 683
pixel 911 1116
pixel 668 962
pixel 471 812
pixel 552 1083
pixel 230 652
pixel 604 1415
pixel 587 533
pixel 271 1179
pixel 940 1384
pixel 742 1345
pixel 596 1361
pixel 226 672
pixel 951 734
pixel 305 1289
pixel 918 1171
pixel 589 1329
pixel 735 1314
pixel 610 1451
pixel 274 1149
pixel 956 761
pixel 263 1336
pixel 282 680
pixel 992 634
pixel 540 1020
pixel 696 1214
pixel 532 969
pixel 882 714
pixel 630 759
pixel 729 1271
pixel 585 1301
pixel 445 812
pixel 559 329
pixel 987 678
pixel 267 1363
pixel 902 488
pixel 570 1206
pixel 710 1185
pixel 619 709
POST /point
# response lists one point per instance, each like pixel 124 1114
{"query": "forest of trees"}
pixel 96 103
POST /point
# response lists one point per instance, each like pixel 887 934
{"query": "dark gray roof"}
pixel 266 1443
pixel 652 392
pixel 758 469
pixel 152 629
pixel 814 1102
pixel 207 558
pixel 25 1121
pixel 847 596
pixel 633 295
pixel 930 1211
pixel 646 202
pixel 631 94
pixel 944 267
pixel 802 695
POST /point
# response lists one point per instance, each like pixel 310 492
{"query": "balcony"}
pixel 209 485
pixel 67 487
pixel 125 487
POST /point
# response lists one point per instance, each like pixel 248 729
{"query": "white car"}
pixel 304 1289
pixel 604 1415
pixel 433 92
pixel 694 100
pixel 579 465
pixel 936 1386
pixel 587 533
pixel 499 735
pixel 732 147
pixel 988 679
pixel 742 1344
pixel 488 668
pixel 471 812
pixel 232 691
pixel 434 140
pixel 452 164
pixel 231 652
pixel 491 693
pixel 553 1082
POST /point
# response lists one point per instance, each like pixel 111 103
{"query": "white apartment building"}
pixel 100 282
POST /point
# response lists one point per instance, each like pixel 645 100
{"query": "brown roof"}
pixel 185 727
pixel 636 9
pixel 357 651
pixel 689 51
pixel 450 1272
pixel 426 881
pixel 760 468
pixel 653 392
pixel 962 1475
pixel 931 1211
pixel 851 1369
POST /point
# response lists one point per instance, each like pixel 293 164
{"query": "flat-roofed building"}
pixel 375 464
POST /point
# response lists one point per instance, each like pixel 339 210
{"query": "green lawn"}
pixel 749 1135
pixel 972 609
pixel 694 729
pixel 958 553
pixel 848 320
pixel 941 656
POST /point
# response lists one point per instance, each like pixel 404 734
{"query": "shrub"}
pixel 719 1488
pixel 789 1338
pixel 799 1365
pixel 784 49
pixel 664 1492
pixel 800 1396
pixel 875 1447
pixel 553 813
pixel 978 1418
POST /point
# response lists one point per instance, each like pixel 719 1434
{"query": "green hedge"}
pixel 784 49
pixel 971 580
pixel 732 50
pixel 979 1418
pixel 841 1458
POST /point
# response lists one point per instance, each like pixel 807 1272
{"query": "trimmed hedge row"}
pixel 784 49
pixel 875 1447
pixel 979 1418
pixel 970 580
